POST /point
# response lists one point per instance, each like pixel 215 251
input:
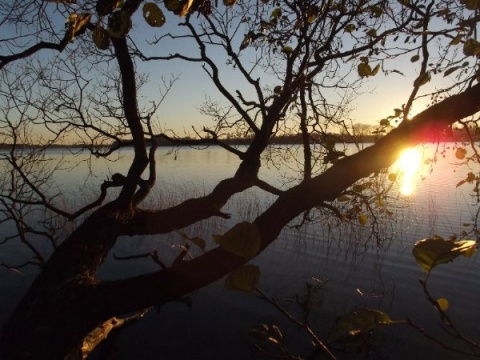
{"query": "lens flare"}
pixel 408 164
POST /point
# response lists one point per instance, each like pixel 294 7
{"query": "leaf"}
pixel 343 198
pixel 384 122
pixel 415 58
pixel 173 5
pixel 268 332
pixel 376 11
pixel 471 47
pixel 277 89
pixel 435 251
pixel 276 13
pixel 372 33
pixel 119 24
pixel 105 7
pixel 392 177
pixel 153 15
pixel 357 322
pixel 312 14
pixel 185 8
pixel 375 70
pixel 287 49
pixel 470 179
pixel 451 70
pixel 229 2
pixel 76 23
pixel 460 153
pixel 246 41
pixel 471 4
pixel 245 278
pixel 243 239
pixel 350 28
pixel 100 37
pixel 364 70
pixel 361 187
pixel 422 79
pixel 456 40
pixel 362 219
pixel 442 304
pixel 380 202
pixel 398 112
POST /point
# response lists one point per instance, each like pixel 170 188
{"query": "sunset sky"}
pixel 180 111
pixel 380 94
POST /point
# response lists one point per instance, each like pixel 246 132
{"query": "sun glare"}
pixel 408 165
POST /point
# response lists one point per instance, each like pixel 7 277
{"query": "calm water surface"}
pixel 344 265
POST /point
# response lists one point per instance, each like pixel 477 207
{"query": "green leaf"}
pixel 287 49
pixel 243 239
pixel 153 15
pixel 100 37
pixel 398 112
pixel 358 322
pixel 415 58
pixel 343 198
pixel 451 70
pixel 435 251
pixel 245 278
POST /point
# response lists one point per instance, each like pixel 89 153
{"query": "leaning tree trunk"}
pixel 66 302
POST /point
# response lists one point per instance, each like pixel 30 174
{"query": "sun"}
pixel 408 165
pixel 409 161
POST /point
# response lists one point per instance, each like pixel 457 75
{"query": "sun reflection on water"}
pixel 408 164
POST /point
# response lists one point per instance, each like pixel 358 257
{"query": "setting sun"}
pixel 408 166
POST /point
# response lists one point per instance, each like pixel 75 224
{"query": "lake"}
pixel 343 265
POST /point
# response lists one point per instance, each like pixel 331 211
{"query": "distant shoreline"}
pixel 458 136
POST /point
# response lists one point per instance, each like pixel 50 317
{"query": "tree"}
pixel 314 52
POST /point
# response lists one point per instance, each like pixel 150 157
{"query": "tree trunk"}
pixel 66 302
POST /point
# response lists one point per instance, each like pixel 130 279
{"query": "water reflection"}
pixel 408 166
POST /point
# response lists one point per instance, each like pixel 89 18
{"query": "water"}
pixel 346 267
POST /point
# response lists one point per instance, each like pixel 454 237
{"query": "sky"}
pixel 380 95
pixel 180 111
